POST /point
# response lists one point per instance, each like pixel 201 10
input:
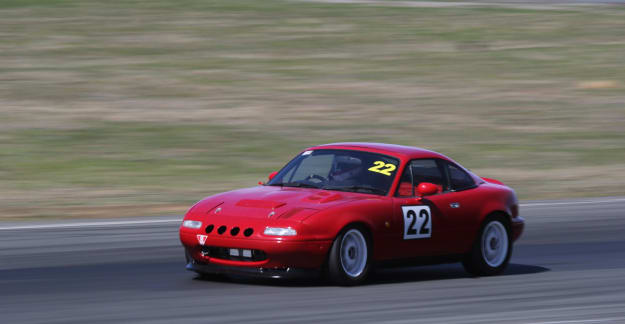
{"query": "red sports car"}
pixel 346 207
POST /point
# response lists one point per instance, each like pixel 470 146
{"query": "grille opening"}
pixel 234 231
pixel 209 228
pixel 248 232
pixel 221 229
pixel 224 253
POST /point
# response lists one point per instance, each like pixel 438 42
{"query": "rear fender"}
pixel 495 207
pixel 500 201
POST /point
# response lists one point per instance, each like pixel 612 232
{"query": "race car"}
pixel 342 209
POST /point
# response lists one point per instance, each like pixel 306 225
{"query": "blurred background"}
pixel 140 108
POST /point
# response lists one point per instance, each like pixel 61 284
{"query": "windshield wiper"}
pixel 356 188
pixel 295 184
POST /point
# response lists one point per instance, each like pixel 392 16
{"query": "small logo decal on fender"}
pixel 201 239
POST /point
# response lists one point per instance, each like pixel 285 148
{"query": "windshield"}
pixel 342 170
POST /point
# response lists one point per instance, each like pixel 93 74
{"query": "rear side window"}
pixel 459 180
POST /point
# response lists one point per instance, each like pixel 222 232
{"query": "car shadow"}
pixel 441 272
pixel 382 276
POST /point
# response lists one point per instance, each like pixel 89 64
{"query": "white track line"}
pixel 598 320
pixel 92 224
pixel 178 220
pixel 573 202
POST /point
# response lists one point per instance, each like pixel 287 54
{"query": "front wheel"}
pixel 491 251
pixel 348 262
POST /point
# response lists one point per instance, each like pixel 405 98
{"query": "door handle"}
pixel 454 205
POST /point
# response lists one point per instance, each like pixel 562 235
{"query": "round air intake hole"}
pixel 221 229
pixel 248 232
pixel 234 231
pixel 209 228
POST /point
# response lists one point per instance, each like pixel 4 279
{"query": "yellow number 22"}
pixel 384 168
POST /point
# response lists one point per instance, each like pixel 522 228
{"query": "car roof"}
pixel 407 152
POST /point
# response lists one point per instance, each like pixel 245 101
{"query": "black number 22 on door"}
pixel 417 222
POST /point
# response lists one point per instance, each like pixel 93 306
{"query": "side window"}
pixel 426 171
pixel 423 170
pixel 459 179
pixel 405 188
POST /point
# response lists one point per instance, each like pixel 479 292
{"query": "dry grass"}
pixel 142 107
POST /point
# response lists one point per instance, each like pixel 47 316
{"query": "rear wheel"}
pixel 491 250
pixel 349 259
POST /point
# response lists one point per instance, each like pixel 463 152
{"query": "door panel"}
pixel 418 228
pixel 452 212
pixel 452 228
pixel 459 220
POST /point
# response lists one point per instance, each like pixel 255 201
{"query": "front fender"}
pixel 369 213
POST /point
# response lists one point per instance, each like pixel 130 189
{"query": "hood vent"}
pixel 323 197
pixel 267 204
pixel 300 213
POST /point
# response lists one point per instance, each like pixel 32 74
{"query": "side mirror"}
pixel 272 175
pixel 426 189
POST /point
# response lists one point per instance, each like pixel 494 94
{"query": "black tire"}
pixel 476 262
pixel 350 274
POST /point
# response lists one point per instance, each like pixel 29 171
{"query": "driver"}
pixel 345 168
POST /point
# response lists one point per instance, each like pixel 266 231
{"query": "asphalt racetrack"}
pixel 569 267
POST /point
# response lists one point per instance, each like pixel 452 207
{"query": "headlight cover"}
pixel 192 224
pixel 280 231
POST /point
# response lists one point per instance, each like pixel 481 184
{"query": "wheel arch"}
pixel 360 223
pixel 494 209
pixel 498 214
pixel 494 213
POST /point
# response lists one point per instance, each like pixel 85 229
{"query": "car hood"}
pixel 272 202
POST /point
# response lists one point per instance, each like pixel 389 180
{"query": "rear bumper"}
pixel 518 224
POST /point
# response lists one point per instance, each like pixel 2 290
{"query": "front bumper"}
pixel 281 256
pixel 259 272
